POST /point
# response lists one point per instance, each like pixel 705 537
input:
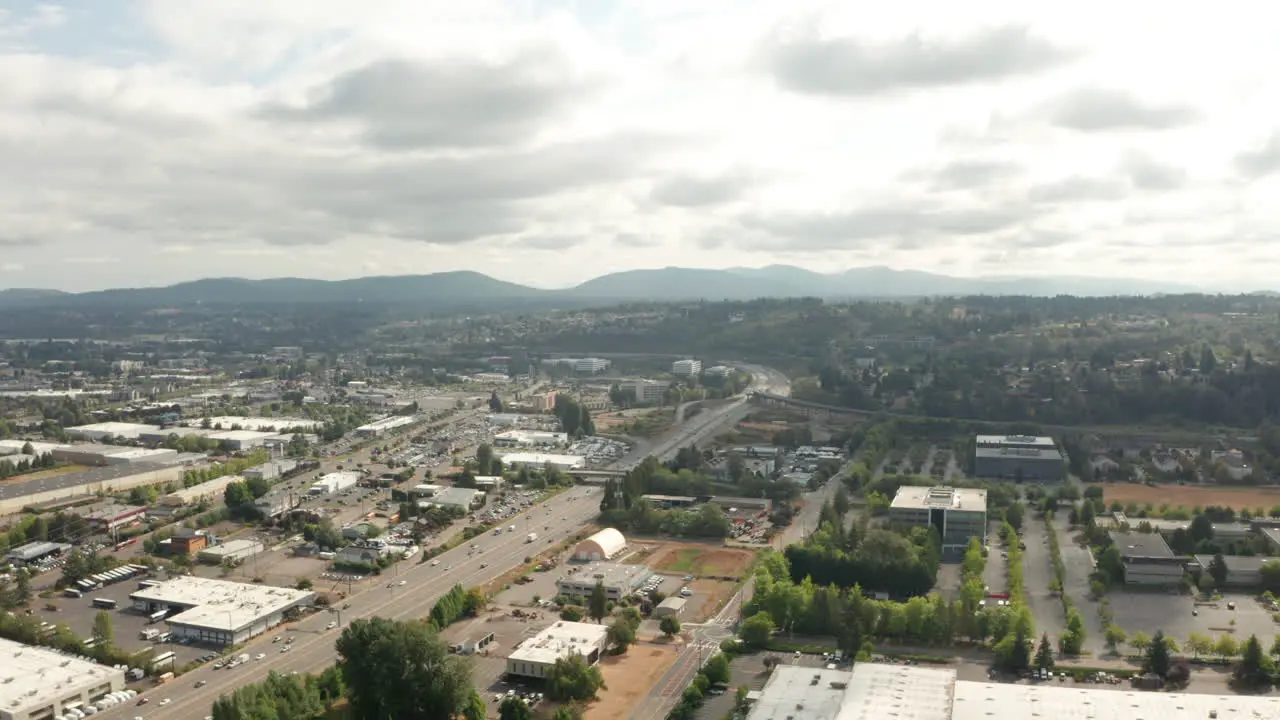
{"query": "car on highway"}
pixel 286 649
pixel 331 626
pixel 260 656
pixel 275 639
pixel 202 683
pixel 484 565
pixel 165 701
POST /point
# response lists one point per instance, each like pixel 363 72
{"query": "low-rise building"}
pixel 618 580
pixel 187 542
pixel 1242 570
pixel 34 552
pixel 488 483
pixel 425 490
pixel 194 495
pixel 536 656
pixel 271 471
pixel 102 455
pixel 1018 458
pixel 742 507
pixel 219 612
pixel 244 439
pixel 96 432
pixel 111 517
pixel 378 428
pixel 536 461
pixel 671 606
pixel 1148 559
pixel 605 544
pixel 38 683
pixel 530 439
pixel 465 498
pixel 231 552
pixel 959 514
pixel 334 482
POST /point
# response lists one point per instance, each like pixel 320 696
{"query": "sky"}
pixel 148 142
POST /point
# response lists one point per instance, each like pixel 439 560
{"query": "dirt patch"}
pixel 628 679
pixel 702 561
pixel 1190 496
pixel 712 594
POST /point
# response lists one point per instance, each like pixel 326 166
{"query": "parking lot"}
pixel 1150 611
pixel 1037 576
pixel 490 665
pixel 1078 564
pixel 996 573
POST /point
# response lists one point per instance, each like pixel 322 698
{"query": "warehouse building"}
pixel 381 427
pixel 112 517
pixel 464 498
pixel 15 447
pixel 271 471
pixel 959 514
pixel 103 455
pixel 96 432
pixel 1148 559
pixel 219 612
pixel 34 552
pixel 232 552
pixel 38 683
pixel 425 490
pixel 212 490
pixel 618 580
pixel 1242 571
pixel 536 656
pixel 334 482
pixel 529 439
pixel 1018 458
pixel 536 461
pixel 603 545
pixel 237 440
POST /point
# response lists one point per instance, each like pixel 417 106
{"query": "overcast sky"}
pixel 149 142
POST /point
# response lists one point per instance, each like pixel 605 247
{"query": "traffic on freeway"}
pixel 313 646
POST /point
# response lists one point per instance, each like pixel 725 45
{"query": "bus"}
pixel 104 603
pixel 161 659
pixel 88 644
pixel 72 593
pixel 157 616
pixel 164 638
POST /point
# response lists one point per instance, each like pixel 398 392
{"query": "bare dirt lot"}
pixel 628 679
pixel 701 560
pixel 1190 495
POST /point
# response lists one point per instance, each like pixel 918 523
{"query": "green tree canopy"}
pixel 401 670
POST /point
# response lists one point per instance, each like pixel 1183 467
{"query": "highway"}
pixel 313 649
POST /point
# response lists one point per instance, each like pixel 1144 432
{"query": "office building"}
pixel 718 371
pixel 686 368
pixel 603 545
pixel 958 513
pixel 1018 458
pixel 536 656
pixel 1148 559
pixel 589 366
pixel 219 612
pixel 1243 571
pixel 618 580
pixel 38 683
pixel 645 391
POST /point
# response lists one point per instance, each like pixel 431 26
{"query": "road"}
pixel 313 650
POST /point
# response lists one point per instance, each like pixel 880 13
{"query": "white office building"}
pixel 686 368
pixel 38 683
pixel 219 612
pixel 334 482
pixel 645 391
pixel 535 656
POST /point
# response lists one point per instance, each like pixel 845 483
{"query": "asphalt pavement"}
pixel 313 649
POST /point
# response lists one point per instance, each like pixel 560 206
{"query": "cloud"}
pixel 1075 189
pixel 848 67
pixel 905 224
pixel 1147 174
pixel 969 174
pixel 634 240
pixel 695 191
pixel 1102 110
pixel 443 103
pixel 548 242
pixel 1260 161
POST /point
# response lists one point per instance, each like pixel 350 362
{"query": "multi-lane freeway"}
pixel 313 648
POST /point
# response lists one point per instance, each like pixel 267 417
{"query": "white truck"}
pixel 531 537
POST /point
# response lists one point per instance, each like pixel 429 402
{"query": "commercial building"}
pixel 958 513
pixel 1242 570
pixel 271 471
pixel 219 612
pixel 718 371
pixel 111 517
pixel 245 439
pixel 488 483
pixel 1148 559
pixel 232 552
pixel 187 542
pixel 261 424
pixel 34 552
pixel 645 391
pixel 275 504
pixel 542 402
pixel 212 490
pixel 529 439
pixel 618 580
pixel 742 507
pixel 671 606
pixel 871 691
pixel 425 490
pixel 334 482
pixel 15 447
pixel 686 368
pixel 536 656
pixel 103 455
pixel 380 427
pixel 1018 457
pixel 464 498
pixel 38 683
pixel 96 432
pixel 536 461
pixel 603 545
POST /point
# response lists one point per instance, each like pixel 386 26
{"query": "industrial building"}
pixel 488 483
pixel 958 513
pixel 96 432
pixel 271 471
pixel 1148 559
pixel 14 447
pixel 111 517
pixel 537 655
pixel 529 439
pixel 103 455
pixel 1228 531
pixel 871 691
pixel 686 368
pixel 38 683
pixel 212 490
pixel 232 552
pixel 334 482
pixel 245 439
pixel 618 580
pixel 603 545
pixel 34 552
pixel 219 612
pixel 645 391
pixel 1242 570
pixel 671 606
pixel 380 427
pixel 261 424
pixel 742 507
pixel 425 490
pixel 187 542
pixel 536 461
pixel 1018 457
pixel 464 498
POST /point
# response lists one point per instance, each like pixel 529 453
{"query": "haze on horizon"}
pixel 149 142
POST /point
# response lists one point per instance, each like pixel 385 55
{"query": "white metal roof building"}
pixel 98 431
pixel 536 461
pixel 219 611
pixel 101 455
pixel 212 490
pixel 378 427
pixel 333 482
pixel 464 498
pixel 261 424
pixel 37 683
pixel 241 439
pixel 988 701
pixel 603 545
pixel 14 447
pixel 535 656
pixel 530 438
pixel 232 551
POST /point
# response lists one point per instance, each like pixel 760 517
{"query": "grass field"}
pixel 702 560
pixel 1190 496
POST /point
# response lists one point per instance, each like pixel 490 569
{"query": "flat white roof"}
pixel 533 436
pixel 791 687
pixel 920 498
pixel 221 604
pixel 281 424
pixel 462 497
pixel 984 701
pixel 37 447
pixel 122 429
pixel 522 458
pixel 233 547
pixel 559 641
pixel 388 423
pixel 35 677
pixel 239 435
pixel 903 692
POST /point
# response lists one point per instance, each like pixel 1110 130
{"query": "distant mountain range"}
pixel 470 288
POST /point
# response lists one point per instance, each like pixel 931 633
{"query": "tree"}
pixel 484 459
pixel 621 634
pixel 1157 660
pixel 401 669
pixel 1044 654
pixel 495 402
pixel 1115 635
pixel 1140 641
pixel 1013 653
pixel 1275 647
pixel 1225 647
pixel 756 630
pixel 1199 644
pixel 598 603
pixel 1014 515
pixel 103 633
pixel 669 625
pixel 514 708
pixel 1218 570
pixel 571 678
pixel 1255 668
pixel 717 669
